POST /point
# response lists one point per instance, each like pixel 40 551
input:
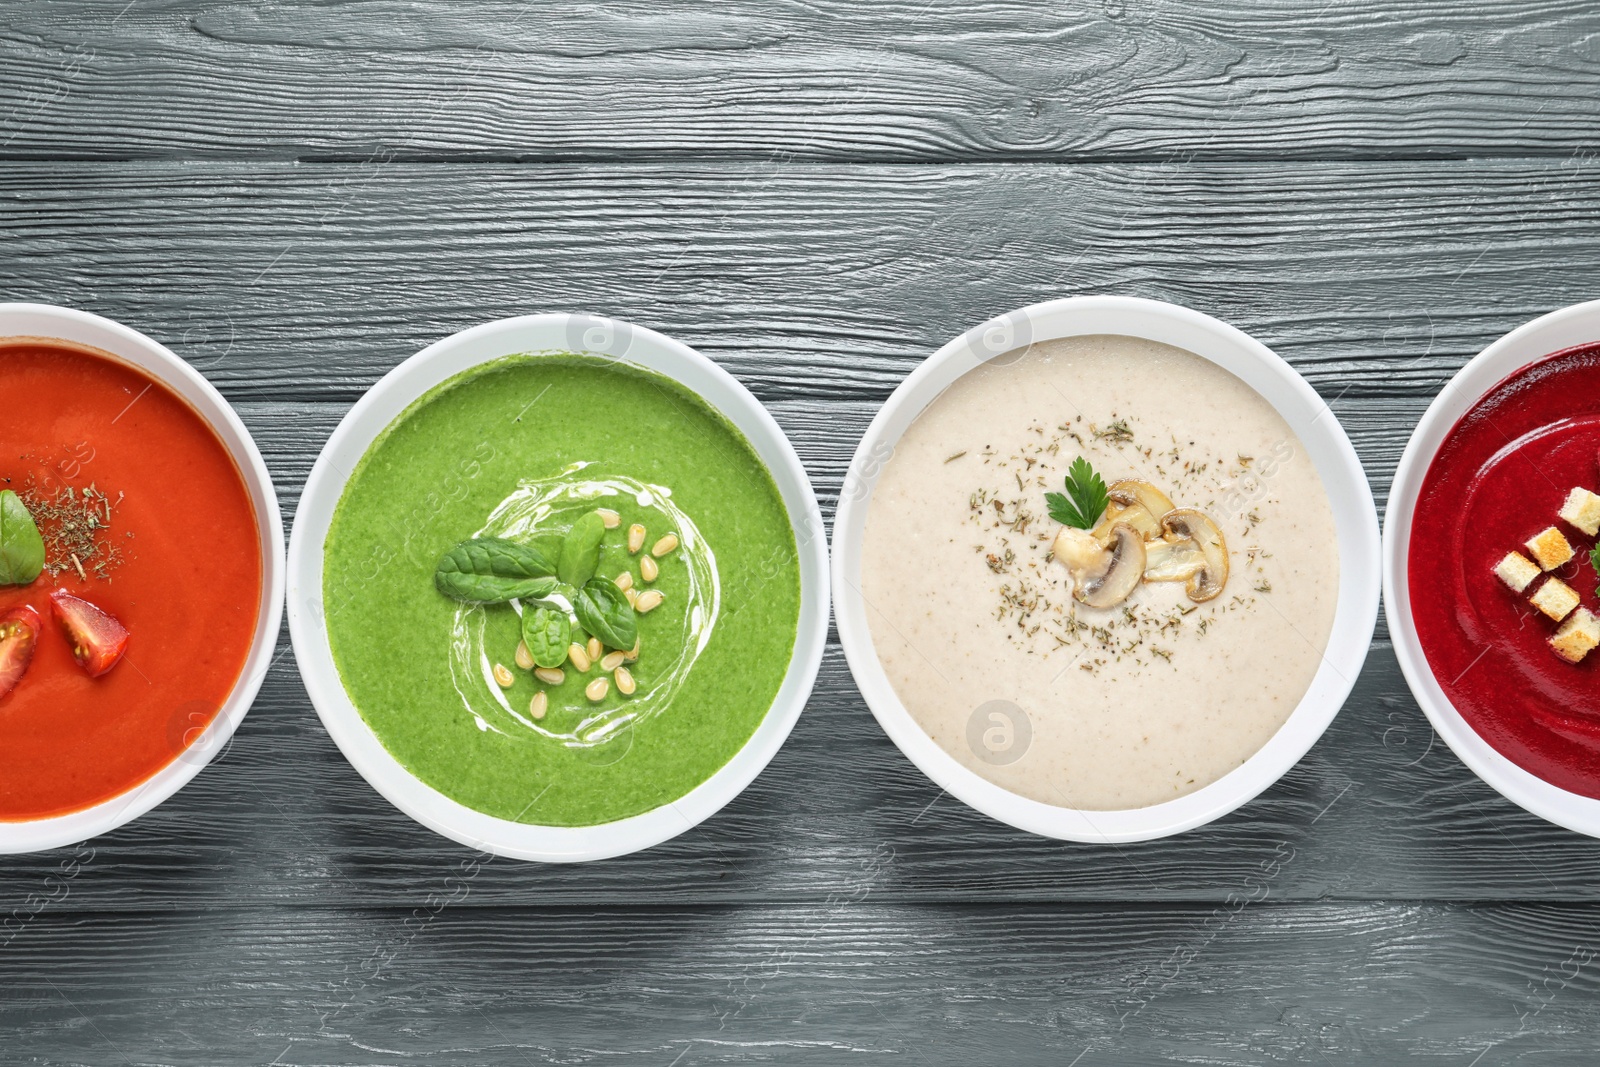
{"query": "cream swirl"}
pixel 548 505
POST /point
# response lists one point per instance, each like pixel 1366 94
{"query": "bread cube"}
pixel 1577 636
pixel 1517 571
pixel 1582 510
pixel 1549 549
pixel 1556 599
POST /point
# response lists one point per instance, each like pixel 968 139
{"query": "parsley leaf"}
pixel 1085 499
pixel 1594 558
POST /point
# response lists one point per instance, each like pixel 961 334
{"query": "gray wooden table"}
pixel 295 195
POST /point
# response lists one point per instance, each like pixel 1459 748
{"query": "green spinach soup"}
pixel 561 590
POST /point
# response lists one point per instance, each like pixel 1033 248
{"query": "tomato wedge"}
pixel 19 634
pixel 98 639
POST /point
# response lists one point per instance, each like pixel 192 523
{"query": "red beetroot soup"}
pixel 1500 477
pixel 173 553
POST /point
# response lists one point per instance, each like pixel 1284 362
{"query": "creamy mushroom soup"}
pixel 1101 575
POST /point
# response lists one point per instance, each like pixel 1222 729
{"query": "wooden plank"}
pixel 385 80
pixel 850 981
pixel 824 433
pixel 309 282
pixel 822 319
pixel 1377 810
pixel 1376 191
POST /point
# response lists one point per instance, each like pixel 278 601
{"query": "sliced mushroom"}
pixel 1186 525
pixel 1077 549
pixel 1172 561
pixel 1139 504
pixel 1131 491
pixel 1133 515
pixel 1102 576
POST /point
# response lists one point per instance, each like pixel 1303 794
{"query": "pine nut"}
pixel 665 545
pixel 503 676
pixel 634 653
pixel 611 519
pixel 635 537
pixel 598 688
pixel 633 597
pixel 612 661
pixel 595 649
pixel 625 684
pixel 624 581
pixel 550 675
pixel 579 657
pixel 648 600
pixel 649 569
pixel 537 706
pixel 524 657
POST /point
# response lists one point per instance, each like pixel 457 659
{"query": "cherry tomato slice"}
pixel 19 635
pixel 98 639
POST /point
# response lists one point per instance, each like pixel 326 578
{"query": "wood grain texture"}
pixel 301 282
pixel 1378 810
pixel 295 287
pixel 282 819
pixel 386 80
pixel 850 981
pixel 297 194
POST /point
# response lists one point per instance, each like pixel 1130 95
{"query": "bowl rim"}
pixel 1336 461
pixel 375 411
pixel 1542 336
pixel 127 345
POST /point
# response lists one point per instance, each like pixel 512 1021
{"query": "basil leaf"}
pixel 580 552
pixel 547 633
pixel 604 611
pixel 21 547
pixel 492 570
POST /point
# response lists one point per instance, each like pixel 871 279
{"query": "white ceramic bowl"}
pixel 1576 325
pixel 1319 431
pixel 350 441
pixel 155 360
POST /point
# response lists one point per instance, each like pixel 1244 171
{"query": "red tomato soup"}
pixel 173 554
pixel 1499 479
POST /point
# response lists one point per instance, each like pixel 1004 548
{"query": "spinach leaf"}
pixel 547 633
pixel 21 547
pixel 580 552
pixel 604 611
pixel 492 570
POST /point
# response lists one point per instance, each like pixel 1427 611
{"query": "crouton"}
pixel 1517 571
pixel 1555 598
pixel 1549 549
pixel 1582 510
pixel 1577 636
